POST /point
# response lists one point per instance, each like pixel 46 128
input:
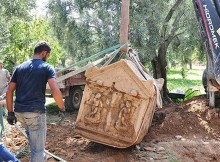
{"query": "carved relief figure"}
pixel 94 115
pixel 112 111
pixel 124 116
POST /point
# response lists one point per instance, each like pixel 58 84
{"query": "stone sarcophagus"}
pixel 117 105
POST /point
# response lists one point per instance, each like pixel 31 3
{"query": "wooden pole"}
pixel 124 25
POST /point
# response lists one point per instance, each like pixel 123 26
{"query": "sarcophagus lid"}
pixel 117 105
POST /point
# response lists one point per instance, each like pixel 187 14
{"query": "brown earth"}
pixel 179 133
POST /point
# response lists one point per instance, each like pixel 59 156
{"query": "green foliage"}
pixel 183 72
pixel 77 29
pixel 22 36
pixel 193 79
pixel 190 93
pixel 16 9
pixel 14 15
pixel 83 27
pixel 146 21
pixel 41 28
pixel 52 108
pixel 173 160
pixel 187 48
pixel 191 84
pixel 183 84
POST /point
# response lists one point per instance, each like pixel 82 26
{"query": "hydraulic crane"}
pixel 208 16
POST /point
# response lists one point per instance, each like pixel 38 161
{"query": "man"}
pixel 29 81
pixel 5 155
pixel 4 78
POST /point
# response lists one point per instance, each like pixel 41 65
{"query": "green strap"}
pixel 1 121
pixel 94 56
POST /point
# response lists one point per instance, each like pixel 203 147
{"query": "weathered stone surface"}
pixel 117 106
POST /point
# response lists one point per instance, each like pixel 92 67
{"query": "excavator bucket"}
pixel 117 105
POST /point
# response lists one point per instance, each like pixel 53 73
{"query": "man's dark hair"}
pixel 42 46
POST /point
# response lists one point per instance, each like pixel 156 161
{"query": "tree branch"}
pixel 173 26
pixel 168 17
pixel 171 38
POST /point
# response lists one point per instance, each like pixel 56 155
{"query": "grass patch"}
pixel 52 108
pixel 191 84
pixel 192 81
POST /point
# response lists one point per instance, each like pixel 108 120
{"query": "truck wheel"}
pixel 68 106
pixel 204 80
pixel 75 96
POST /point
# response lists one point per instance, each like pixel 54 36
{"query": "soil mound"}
pixel 186 132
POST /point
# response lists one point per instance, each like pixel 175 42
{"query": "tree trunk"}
pixel 159 64
pixel 190 64
pixel 63 62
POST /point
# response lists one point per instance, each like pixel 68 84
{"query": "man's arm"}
pixel 9 96
pixel 8 76
pixel 8 79
pixel 9 100
pixel 57 95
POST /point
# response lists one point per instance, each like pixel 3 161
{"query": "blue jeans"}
pixel 1 122
pixel 5 155
pixel 35 125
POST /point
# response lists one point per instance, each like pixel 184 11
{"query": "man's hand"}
pixel 61 115
pixel 11 118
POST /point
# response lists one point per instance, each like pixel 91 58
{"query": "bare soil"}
pixel 179 133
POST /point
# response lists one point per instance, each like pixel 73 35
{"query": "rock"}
pixel 137 147
pixel 151 149
pixel 82 148
pixel 80 142
pixel 160 149
pixel 77 136
pixel 161 157
pixel 178 137
pixel 211 113
pixel 183 139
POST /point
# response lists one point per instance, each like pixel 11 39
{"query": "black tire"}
pixel 204 80
pixel 67 104
pixel 72 102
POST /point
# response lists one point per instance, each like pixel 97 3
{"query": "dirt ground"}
pixel 179 133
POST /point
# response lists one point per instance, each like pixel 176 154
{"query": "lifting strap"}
pixel 96 56
pixel 133 56
pixel 91 64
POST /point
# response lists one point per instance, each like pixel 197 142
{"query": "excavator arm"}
pixel 207 13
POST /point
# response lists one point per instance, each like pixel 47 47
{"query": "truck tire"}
pixel 75 97
pixel 204 80
pixel 67 102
